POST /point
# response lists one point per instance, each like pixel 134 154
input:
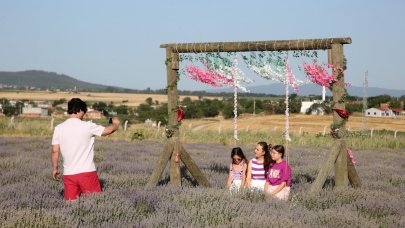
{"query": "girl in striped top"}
pixel 256 178
pixel 237 171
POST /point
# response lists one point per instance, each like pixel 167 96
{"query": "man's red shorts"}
pixel 80 183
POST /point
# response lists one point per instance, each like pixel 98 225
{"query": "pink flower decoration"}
pixel 318 74
pixel 291 79
pixel 350 153
pixel 208 76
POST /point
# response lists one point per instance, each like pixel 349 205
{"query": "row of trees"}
pixel 9 109
pixel 355 104
pixel 203 108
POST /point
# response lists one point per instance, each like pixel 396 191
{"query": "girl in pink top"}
pixel 237 171
pixel 278 175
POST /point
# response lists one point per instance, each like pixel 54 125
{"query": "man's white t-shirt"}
pixel 76 140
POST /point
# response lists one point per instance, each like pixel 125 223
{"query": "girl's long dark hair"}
pixel 267 158
pixel 238 151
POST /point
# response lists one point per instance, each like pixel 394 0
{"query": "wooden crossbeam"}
pixel 275 45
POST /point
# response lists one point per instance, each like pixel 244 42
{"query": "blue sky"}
pixel 117 42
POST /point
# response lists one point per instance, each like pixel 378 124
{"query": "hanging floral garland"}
pixel 237 76
pixel 318 74
pixel 289 80
pixel 280 71
pixel 219 71
pixel 207 76
pixel 276 71
pixel 229 69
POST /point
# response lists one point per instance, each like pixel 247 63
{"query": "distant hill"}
pixel 312 89
pixel 35 79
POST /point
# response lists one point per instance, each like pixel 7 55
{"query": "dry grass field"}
pixel 307 123
pixel 298 122
pixel 130 99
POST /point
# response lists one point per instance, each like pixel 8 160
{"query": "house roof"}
pixel 396 109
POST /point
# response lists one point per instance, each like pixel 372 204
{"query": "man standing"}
pixel 74 139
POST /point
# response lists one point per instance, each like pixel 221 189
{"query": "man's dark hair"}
pixel 75 105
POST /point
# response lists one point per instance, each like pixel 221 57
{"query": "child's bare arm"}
pixel 229 180
pixel 243 177
pixel 249 175
pixel 278 189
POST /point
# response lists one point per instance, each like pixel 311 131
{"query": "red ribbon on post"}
pixel 342 113
pixel 180 114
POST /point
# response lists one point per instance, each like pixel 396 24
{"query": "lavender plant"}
pixel 30 198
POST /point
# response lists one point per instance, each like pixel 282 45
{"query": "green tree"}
pixel 18 107
pixel 294 104
pixel 100 106
pixel 354 107
pixel 144 111
pixel 193 111
pixel 58 102
pixel 228 110
pixel 122 110
pixel 9 110
pixel 149 101
pixel 210 108
pixel 160 113
pixel 316 107
pixel 374 102
pixel 268 107
pixel 395 103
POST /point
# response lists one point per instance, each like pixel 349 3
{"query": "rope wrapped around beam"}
pixel 247 46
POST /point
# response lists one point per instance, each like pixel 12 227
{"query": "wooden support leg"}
pixel 193 168
pixel 161 165
pixel 341 175
pixel 325 168
pixel 175 177
pixel 352 174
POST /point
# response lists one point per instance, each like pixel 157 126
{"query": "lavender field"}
pixel 30 198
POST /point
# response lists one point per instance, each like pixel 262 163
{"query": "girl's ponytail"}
pixel 267 158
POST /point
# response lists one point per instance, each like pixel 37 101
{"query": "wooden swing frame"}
pixel 174 151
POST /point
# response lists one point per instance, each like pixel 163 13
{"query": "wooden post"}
pixel 326 167
pixel 175 177
pixel 172 61
pixel 338 88
pixel 341 172
pixel 354 179
pixel 193 168
pixel 161 165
